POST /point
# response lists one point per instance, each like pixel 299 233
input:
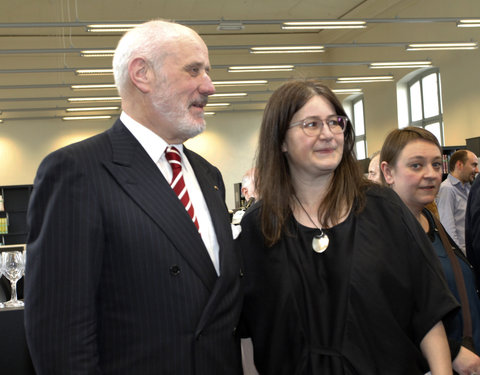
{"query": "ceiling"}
pixel 40 44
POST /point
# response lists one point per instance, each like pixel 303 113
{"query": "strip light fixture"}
pixel 442 46
pixel 241 83
pixel 317 25
pixel 217 105
pixel 228 95
pixel 68 118
pixel 365 79
pixel 110 28
pixel 286 49
pixel 399 64
pixel 93 72
pixel 97 53
pixel 208 113
pixel 103 86
pixel 347 91
pixel 468 23
pixel 95 99
pixel 88 109
pixel 230 26
pixel 261 68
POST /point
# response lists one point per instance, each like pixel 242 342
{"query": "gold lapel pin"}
pixel 215 187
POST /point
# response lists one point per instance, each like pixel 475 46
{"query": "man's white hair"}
pixel 145 40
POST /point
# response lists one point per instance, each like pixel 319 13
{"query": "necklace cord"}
pixel 306 213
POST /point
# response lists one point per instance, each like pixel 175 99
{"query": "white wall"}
pixel 229 143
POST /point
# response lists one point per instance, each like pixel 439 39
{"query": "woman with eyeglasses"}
pixel 411 162
pixel 338 275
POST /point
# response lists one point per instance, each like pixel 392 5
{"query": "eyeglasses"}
pixel 312 126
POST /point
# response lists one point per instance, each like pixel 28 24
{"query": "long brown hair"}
pixel 273 179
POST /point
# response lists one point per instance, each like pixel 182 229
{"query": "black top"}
pixel 454 322
pixel 361 307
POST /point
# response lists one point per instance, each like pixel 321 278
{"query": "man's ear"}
pixel 140 74
pixel 387 172
pixel 459 165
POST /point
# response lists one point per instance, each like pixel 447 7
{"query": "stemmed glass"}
pixel 13 265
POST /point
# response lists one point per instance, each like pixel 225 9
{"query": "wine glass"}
pixel 13 267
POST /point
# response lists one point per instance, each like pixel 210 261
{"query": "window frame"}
pixel 358 138
pixel 425 121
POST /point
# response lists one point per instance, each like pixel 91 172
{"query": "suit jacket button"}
pixel 175 270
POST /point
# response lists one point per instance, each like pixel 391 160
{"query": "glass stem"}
pixel 13 297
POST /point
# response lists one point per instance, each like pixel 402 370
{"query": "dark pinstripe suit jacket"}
pixel 118 279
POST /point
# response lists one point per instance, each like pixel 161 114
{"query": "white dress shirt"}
pixel 155 147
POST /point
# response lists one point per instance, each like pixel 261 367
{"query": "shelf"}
pixel 447 151
pixel 15 201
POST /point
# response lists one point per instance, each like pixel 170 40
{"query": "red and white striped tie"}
pixel 178 183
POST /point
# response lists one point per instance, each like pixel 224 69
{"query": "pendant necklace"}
pixel 320 241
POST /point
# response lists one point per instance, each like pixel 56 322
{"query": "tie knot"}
pixel 173 156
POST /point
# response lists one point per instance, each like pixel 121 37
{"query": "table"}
pixel 14 355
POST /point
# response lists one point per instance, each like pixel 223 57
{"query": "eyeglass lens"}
pixel 313 126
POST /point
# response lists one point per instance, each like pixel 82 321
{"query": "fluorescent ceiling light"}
pixel 85 109
pixel 208 113
pixel 95 99
pixel 347 91
pixel 316 25
pixel 441 46
pixel 105 86
pixel 1 121
pixel 364 79
pixel 230 26
pixel 67 118
pixel 115 28
pixel 93 72
pixel 217 105
pixel 233 94
pixel 468 23
pixel 97 53
pixel 241 83
pixel 292 49
pixel 261 68
pixel 400 64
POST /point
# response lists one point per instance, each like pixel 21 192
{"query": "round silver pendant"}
pixel 320 243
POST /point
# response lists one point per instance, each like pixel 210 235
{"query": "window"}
pixel 420 101
pixel 354 108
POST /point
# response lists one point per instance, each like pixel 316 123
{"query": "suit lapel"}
pixel 138 175
pixel 212 193
pixel 212 188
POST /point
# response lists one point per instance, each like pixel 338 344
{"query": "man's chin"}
pixel 193 128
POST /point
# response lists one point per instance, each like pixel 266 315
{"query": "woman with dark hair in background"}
pixel 339 277
pixel 411 162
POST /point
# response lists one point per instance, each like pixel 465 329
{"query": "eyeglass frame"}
pixel 306 121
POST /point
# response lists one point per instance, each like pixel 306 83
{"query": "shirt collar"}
pixel 454 180
pixel 153 144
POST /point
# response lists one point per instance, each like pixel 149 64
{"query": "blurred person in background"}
pixel 453 194
pixel 411 162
